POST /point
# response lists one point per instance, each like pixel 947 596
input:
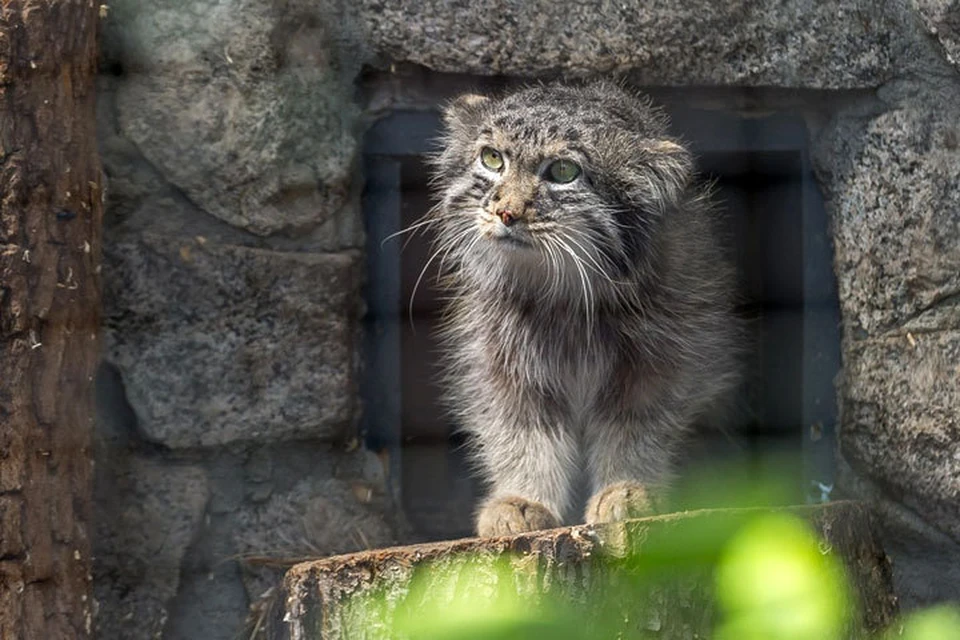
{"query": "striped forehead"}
pixel 527 149
pixel 532 135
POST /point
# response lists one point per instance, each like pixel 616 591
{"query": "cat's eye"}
pixel 563 171
pixel 491 158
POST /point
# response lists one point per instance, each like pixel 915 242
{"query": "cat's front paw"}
pixel 511 515
pixel 620 501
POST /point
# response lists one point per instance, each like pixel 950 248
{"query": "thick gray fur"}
pixel 584 338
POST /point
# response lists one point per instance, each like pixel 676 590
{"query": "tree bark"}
pixel 50 224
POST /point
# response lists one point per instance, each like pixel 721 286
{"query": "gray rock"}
pixel 219 343
pixel 147 513
pixel 901 420
pixel 244 106
pixel 890 182
pixel 140 198
pixel 130 179
pixel 317 517
pixel 925 561
pixel 942 18
pixel 801 43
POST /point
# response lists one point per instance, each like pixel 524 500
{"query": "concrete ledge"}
pixel 358 595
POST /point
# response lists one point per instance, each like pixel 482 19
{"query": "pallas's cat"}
pixel 590 321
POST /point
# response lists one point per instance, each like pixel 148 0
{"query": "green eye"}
pixel 491 159
pixel 563 171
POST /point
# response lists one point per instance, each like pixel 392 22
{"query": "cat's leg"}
pixel 629 462
pixel 532 467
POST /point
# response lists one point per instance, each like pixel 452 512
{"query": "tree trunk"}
pixel 362 595
pixel 50 219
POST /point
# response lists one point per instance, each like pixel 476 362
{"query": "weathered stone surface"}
pixel 890 183
pixel 942 18
pixel 317 516
pixel 147 513
pixel 926 561
pixel 130 179
pixel 789 44
pixel 890 178
pixel 901 420
pixel 219 343
pixel 245 106
pixel 329 598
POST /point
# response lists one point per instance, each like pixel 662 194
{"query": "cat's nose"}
pixel 506 216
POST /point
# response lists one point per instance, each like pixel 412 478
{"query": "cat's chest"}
pixel 559 354
pixel 583 381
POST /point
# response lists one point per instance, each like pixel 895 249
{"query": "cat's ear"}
pixel 672 168
pixel 464 111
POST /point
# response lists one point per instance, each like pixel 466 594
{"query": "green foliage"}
pixel 757 574
pixel 936 623
pixel 472 604
pixel 776 581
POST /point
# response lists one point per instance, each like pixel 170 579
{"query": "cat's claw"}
pixel 620 501
pixel 510 515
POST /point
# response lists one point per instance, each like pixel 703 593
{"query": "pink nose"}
pixel 506 216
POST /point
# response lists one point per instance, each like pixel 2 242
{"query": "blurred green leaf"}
pixel 775 580
pixel 473 601
pixel 936 623
pixel 768 482
pixel 687 544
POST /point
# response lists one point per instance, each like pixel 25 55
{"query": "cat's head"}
pixel 560 181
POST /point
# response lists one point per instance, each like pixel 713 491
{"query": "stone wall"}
pixel 233 264
pixel 232 275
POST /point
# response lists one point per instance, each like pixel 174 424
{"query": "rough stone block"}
pixel 246 109
pixel 942 18
pixel 317 516
pixel 329 598
pixel 926 561
pixel 335 503
pixel 147 513
pixel 890 177
pixel 786 44
pixel 901 420
pixel 219 343
pixel 890 182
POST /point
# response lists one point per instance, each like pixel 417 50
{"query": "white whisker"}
pixel 450 245
pixel 585 283
pixel 412 227
pixel 596 265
